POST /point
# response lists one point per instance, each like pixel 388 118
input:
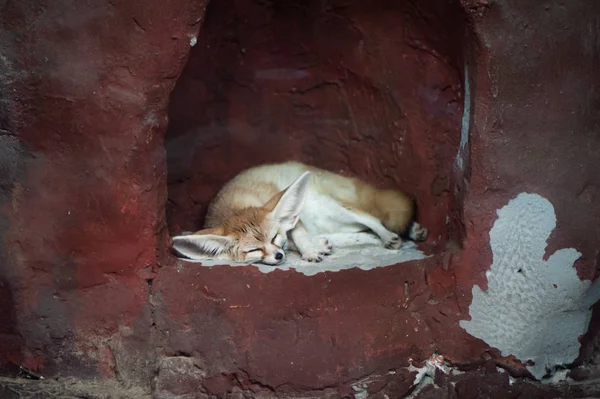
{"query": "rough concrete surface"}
pixel 351 250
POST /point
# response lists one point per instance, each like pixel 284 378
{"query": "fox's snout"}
pixel 275 258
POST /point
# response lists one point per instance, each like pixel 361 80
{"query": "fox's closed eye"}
pixel 254 250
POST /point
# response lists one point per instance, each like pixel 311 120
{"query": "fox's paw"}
pixel 324 247
pixel 312 256
pixel 317 251
pixel 393 242
pixel 417 232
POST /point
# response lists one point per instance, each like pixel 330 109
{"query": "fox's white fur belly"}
pixel 324 215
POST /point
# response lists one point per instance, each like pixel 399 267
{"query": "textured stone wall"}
pixel 87 285
pixel 84 93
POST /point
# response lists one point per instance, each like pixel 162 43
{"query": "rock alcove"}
pixel 370 90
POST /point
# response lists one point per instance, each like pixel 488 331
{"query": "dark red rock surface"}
pixel 84 97
pixel 279 328
pixel 87 285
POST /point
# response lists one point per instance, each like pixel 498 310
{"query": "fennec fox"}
pixel 254 214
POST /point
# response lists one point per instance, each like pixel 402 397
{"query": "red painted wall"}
pixel 87 285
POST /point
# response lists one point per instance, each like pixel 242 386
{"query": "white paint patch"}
pixel 421 373
pixel 559 377
pixel 426 374
pixel 361 387
pixel 350 250
pixel 193 41
pixel 533 309
pixel 360 393
pixel 466 121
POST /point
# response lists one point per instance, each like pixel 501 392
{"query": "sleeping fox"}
pixel 253 216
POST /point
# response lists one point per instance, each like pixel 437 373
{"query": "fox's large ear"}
pixel 286 206
pixel 203 244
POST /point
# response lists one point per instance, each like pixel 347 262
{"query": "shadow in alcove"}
pixel 371 90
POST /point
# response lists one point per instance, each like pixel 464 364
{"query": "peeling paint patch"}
pixel 350 250
pixel 426 374
pixel 360 392
pixel 533 309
